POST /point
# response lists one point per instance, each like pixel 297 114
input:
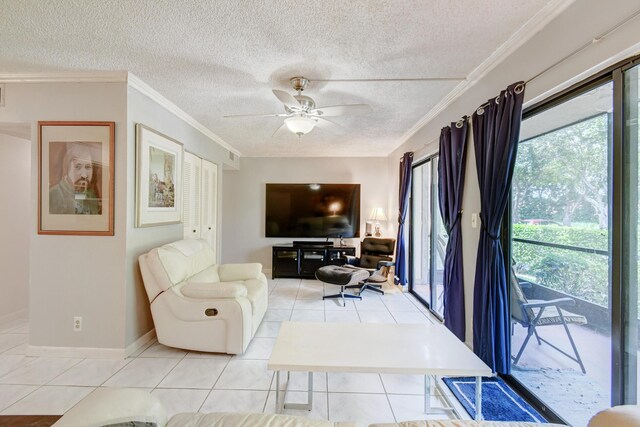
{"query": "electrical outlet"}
pixel 474 220
pixel 77 324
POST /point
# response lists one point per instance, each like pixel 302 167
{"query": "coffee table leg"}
pixel 427 394
pixel 305 406
pixel 310 391
pixel 278 397
pixel 280 407
pixel 478 398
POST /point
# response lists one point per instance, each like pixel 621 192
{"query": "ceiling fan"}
pixel 301 112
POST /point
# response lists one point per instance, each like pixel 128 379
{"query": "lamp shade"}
pixel 377 214
pixel 300 125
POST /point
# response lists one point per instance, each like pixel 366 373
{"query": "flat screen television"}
pixel 312 210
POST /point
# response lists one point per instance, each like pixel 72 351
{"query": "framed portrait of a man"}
pixel 158 178
pixel 75 176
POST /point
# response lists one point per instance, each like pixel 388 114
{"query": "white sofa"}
pixel 199 305
pixel 136 407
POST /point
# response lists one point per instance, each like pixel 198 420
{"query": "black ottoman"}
pixel 341 275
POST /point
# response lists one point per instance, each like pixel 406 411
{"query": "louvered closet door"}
pixel 191 196
pixel 209 203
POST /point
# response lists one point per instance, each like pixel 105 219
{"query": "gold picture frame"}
pixel 75 178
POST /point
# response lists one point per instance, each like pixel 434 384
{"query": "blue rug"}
pixel 499 402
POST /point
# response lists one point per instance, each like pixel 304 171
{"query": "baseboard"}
pixel 76 352
pixel 90 352
pixel 16 315
pixel 140 342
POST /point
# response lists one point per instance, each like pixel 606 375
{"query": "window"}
pixel 428 239
pixel 574 224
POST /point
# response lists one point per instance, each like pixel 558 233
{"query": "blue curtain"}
pixel 451 168
pixel 403 204
pixel 496 128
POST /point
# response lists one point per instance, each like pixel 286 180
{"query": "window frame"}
pixel 434 210
pixel 624 365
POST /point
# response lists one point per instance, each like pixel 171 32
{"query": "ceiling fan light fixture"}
pixel 300 125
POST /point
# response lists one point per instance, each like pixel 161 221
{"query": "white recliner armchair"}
pixel 199 305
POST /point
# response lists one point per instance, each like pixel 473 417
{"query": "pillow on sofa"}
pixel 180 264
pixel 205 290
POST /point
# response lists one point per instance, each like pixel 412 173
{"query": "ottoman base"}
pixel 342 276
pixel 342 295
pixel 368 285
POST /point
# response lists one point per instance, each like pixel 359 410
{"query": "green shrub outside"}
pixel 580 274
pixel 583 236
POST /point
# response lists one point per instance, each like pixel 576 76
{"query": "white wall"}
pixel 142 109
pixel 74 275
pixel 244 194
pixel 15 173
pixel 579 24
pixel 96 277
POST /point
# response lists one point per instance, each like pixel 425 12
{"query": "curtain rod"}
pixel 408 79
pixel 593 41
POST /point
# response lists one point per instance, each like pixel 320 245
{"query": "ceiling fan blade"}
pixel 339 110
pixel 255 115
pixel 330 126
pixel 279 129
pixel 286 98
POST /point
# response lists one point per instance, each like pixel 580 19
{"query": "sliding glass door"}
pixel 574 230
pixel 428 239
pixel 560 256
pixel 629 253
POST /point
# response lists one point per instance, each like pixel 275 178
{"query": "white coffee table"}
pixel 381 348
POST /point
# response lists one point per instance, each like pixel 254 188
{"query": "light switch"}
pixel 474 220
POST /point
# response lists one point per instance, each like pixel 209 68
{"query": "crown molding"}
pixel 116 77
pixel 341 155
pixel 136 83
pixel 517 39
pixel 65 77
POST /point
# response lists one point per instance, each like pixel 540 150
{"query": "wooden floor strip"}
pixel 28 420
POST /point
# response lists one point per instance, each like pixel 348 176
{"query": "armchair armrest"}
pixel 113 406
pixel 524 283
pixel 351 260
pixel 558 301
pixel 235 272
pixel 208 290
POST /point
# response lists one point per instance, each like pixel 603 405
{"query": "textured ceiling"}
pixel 224 57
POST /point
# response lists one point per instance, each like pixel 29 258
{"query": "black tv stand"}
pixel 302 259
pixel 311 243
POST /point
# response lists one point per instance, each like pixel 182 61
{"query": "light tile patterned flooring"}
pixel 187 381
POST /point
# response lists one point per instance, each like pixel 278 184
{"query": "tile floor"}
pixel 187 381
